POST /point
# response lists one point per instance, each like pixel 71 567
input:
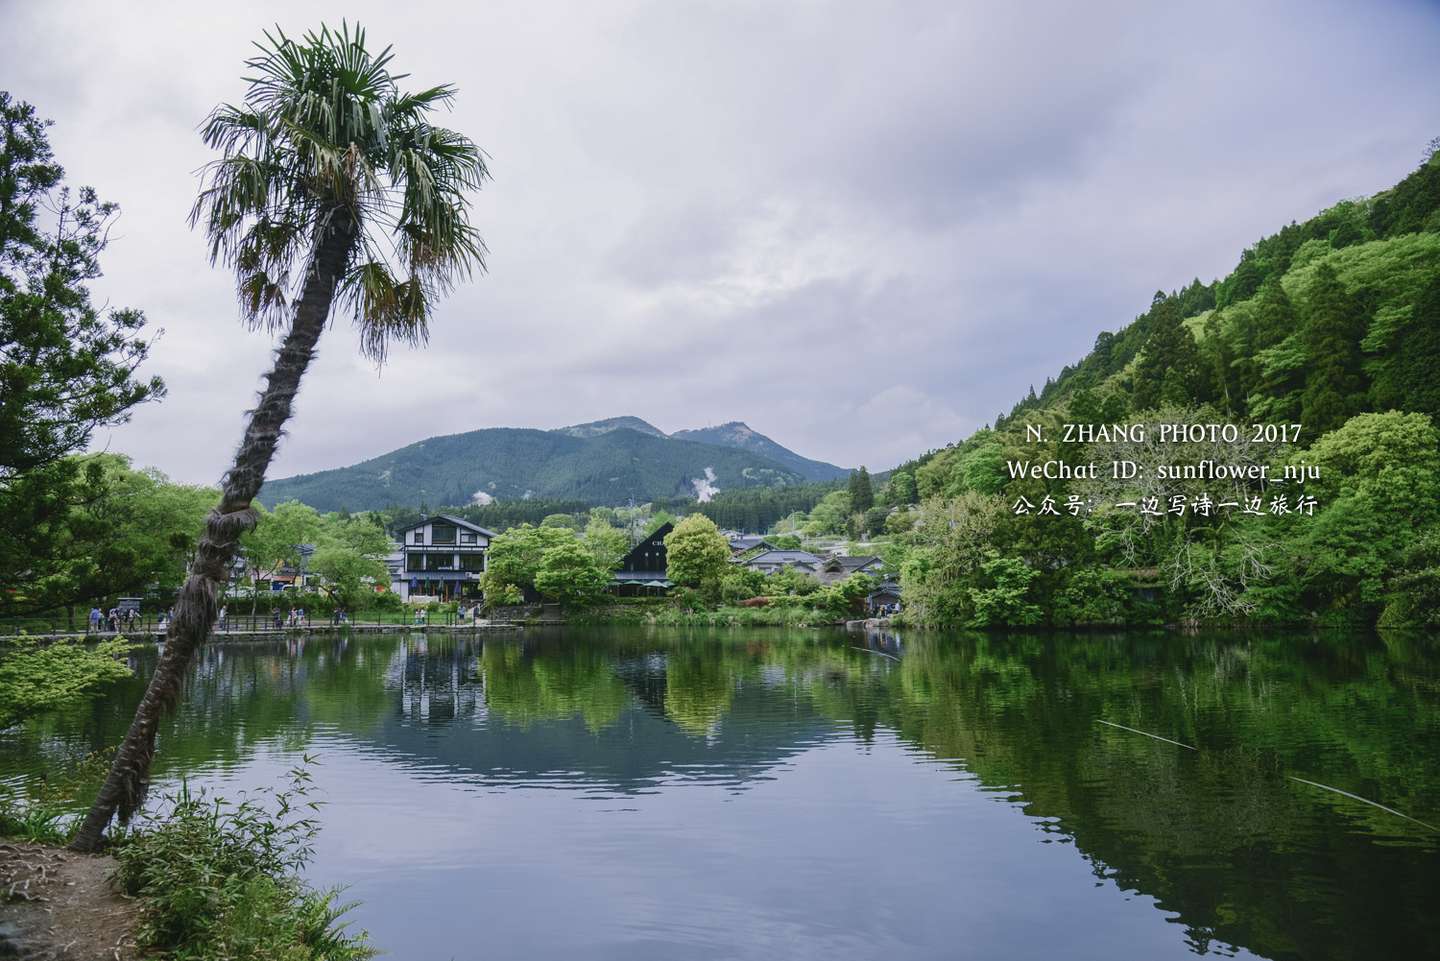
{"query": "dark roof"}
pixel 857 563
pixel 449 519
pixel 651 545
pixel 784 557
pixel 744 542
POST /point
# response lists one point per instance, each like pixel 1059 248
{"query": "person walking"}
pixel 223 617
pixel 94 620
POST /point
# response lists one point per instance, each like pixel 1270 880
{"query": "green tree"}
pixel 740 583
pixel 66 367
pixel 862 493
pixel 1416 357
pixel 275 541
pixel 350 557
pixel 697 553
pixel 1170 369
pixel 607 544
pixel 330 179
pixel 901 489
pixel 950 539
pixel 124 531
pixel 514 557
pixel 38 675
pixel 1003 598
pixel 570 574
pixel 830 515
pixel 1379 482
pixel 1334 325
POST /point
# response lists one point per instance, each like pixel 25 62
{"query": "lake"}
pixel 761 794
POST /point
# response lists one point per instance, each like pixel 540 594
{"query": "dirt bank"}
pixel 55 904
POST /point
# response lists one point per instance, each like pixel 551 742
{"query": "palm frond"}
pixel 323 127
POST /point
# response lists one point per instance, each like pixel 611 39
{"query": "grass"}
pixel 221 881
pixel 214 880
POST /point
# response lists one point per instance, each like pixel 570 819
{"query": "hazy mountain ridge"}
pixel 741 436
pixel 607 461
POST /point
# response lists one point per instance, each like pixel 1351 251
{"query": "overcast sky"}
pixel 863 228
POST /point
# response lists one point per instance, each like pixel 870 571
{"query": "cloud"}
pixel 863 229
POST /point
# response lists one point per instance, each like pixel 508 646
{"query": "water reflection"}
pixel 888 742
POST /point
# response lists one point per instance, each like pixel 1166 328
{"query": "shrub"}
pixel 221 880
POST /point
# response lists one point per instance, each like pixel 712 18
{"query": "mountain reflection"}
pixel 1222 836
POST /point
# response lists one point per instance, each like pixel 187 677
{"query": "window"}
pixel 467 537
pixel 414 562
pixel 442 534
pixel 472 562
pixel 418 537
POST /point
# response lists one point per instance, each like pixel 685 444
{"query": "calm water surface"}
pixel 644 794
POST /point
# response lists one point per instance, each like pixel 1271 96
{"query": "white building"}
pixel 440 557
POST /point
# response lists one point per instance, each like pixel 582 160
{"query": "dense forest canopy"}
pixel 1332 324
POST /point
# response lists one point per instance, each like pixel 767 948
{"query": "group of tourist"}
pixel 119 619
pixel 114 620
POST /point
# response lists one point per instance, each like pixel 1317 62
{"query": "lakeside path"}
pixel 266 634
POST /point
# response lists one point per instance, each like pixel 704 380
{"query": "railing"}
pixel 148 625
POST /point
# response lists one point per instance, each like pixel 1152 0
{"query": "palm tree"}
pixel 332 186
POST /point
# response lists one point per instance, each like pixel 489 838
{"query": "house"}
pixel 768 562
pixel 741 543
pixel 885 599
pixel 837 567
pixel 440 557
pixel 642 571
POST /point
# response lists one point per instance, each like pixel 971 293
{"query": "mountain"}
pixel 597 427
pixel 603 462
pixel 741 437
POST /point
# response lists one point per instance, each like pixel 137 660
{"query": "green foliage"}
pixel 1004 595
pixel 740 583
pixel 790 582
pixel 515 556
pixel 607 544
pixel 1380 479
pixel 755 509
pixel 831 515
pixel 901 489
pixel 1410 379
pixel 66 366
pixel 92 527
pixel 325 141
pixel 697 553
pixel 221 880
pixel 1170 370
pixel 571 574
pixel 951 536
pixel 1094 596
pixel 1334 380
pixel 349 557
pixel 1414 598
pixel 36 676
pixel 276 540
pixel 844 598
pixel 862 493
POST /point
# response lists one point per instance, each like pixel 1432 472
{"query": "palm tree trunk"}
pixel 195 608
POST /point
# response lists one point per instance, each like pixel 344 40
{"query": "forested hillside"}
pixel 610 466
pixel 1332 324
